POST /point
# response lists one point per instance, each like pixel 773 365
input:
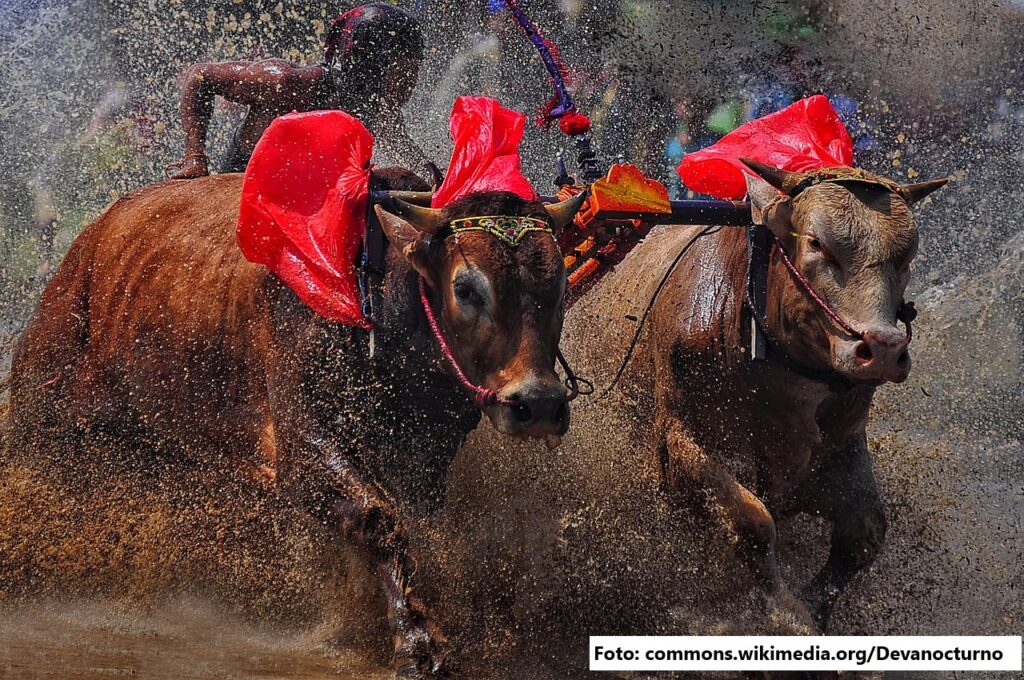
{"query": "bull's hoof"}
pixel 423 667
pixel 821 600
pixel 414 670
pixel 419 654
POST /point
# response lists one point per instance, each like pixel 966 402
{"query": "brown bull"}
pixel 157 331
pixel 749 440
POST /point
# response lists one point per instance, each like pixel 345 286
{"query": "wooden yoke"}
pixel 610 224
pixel 621 210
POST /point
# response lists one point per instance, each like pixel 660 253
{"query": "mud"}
pixel 87 641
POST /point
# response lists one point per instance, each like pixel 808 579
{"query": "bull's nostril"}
pixel 863 352
pixel 562 414
pixel 523 412
pixel 904 358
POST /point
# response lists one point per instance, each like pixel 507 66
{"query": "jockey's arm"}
pixel 271 84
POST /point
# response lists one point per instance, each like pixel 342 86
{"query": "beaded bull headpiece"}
pixel 509 228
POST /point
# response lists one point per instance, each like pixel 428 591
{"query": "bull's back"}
pixel 602 325
pixel 152 318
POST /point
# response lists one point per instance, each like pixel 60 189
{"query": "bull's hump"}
pixel 699 303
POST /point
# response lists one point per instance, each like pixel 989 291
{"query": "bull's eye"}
pixel 466 294
pixel 819 248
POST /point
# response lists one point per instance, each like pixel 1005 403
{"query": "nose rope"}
pixel 813 294
pixel 905 313
pixel 574 382
pixel 483 396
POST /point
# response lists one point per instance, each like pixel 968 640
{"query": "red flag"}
pixel 806 135
pixel 486 136
pixel 303 211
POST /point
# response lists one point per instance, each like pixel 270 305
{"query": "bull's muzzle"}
pixel 536 409
pixel 882 354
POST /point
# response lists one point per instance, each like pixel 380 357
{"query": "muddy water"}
pixel 184 574
pixel 189 642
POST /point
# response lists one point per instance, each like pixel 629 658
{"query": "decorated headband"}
pixel 845 176
pixel 509 228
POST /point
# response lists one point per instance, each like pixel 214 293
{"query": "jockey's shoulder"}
pixel 290 72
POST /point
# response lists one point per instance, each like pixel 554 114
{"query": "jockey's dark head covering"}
pixel 371 37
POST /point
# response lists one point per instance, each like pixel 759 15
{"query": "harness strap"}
pixel 835 381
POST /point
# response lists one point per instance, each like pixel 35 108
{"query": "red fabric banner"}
pixel 806 135
pixel 303 212
pixel 486 138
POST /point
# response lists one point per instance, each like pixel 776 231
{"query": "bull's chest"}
pixel 762 421
pixel 405 436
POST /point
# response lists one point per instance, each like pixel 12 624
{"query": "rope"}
pixel 573 381
pixel 813 294
pixel 905 313
pixel 650 305
pixel 483 396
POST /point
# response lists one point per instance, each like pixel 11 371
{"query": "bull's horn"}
pixel 427 220
pixel 563 212
pixel 436 176
pixel 414 197
pixel 783 180
pixel 915 192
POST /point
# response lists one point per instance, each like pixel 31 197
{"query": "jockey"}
pixel 371 60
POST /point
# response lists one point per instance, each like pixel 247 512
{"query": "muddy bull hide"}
pixel 741 442
pixel 157 332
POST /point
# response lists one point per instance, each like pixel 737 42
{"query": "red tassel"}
pixel 544 117
pixel 574 123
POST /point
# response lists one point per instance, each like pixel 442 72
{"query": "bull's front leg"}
pixel 842 489
pixel 368 517
pixel 323 475
pixel 697 479
pixel 365 515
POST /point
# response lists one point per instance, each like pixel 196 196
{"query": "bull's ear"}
pixel 769 208
pixel 436 176
pixel 413 243
pixel 915 192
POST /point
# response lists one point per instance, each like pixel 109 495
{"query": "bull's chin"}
pixel 504 422
pixel 858 379
pixel 869 376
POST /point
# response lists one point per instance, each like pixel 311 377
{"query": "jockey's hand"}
pixel 192 167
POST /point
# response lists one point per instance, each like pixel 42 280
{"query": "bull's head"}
pixel 854 240
pixel 498 285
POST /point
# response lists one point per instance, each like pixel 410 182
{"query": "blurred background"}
pixel 88 112
pixel 89 92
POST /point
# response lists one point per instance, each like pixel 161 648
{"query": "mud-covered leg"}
pixel 842 489
pixel 366 517
pixel 321 472
pixel 700 481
